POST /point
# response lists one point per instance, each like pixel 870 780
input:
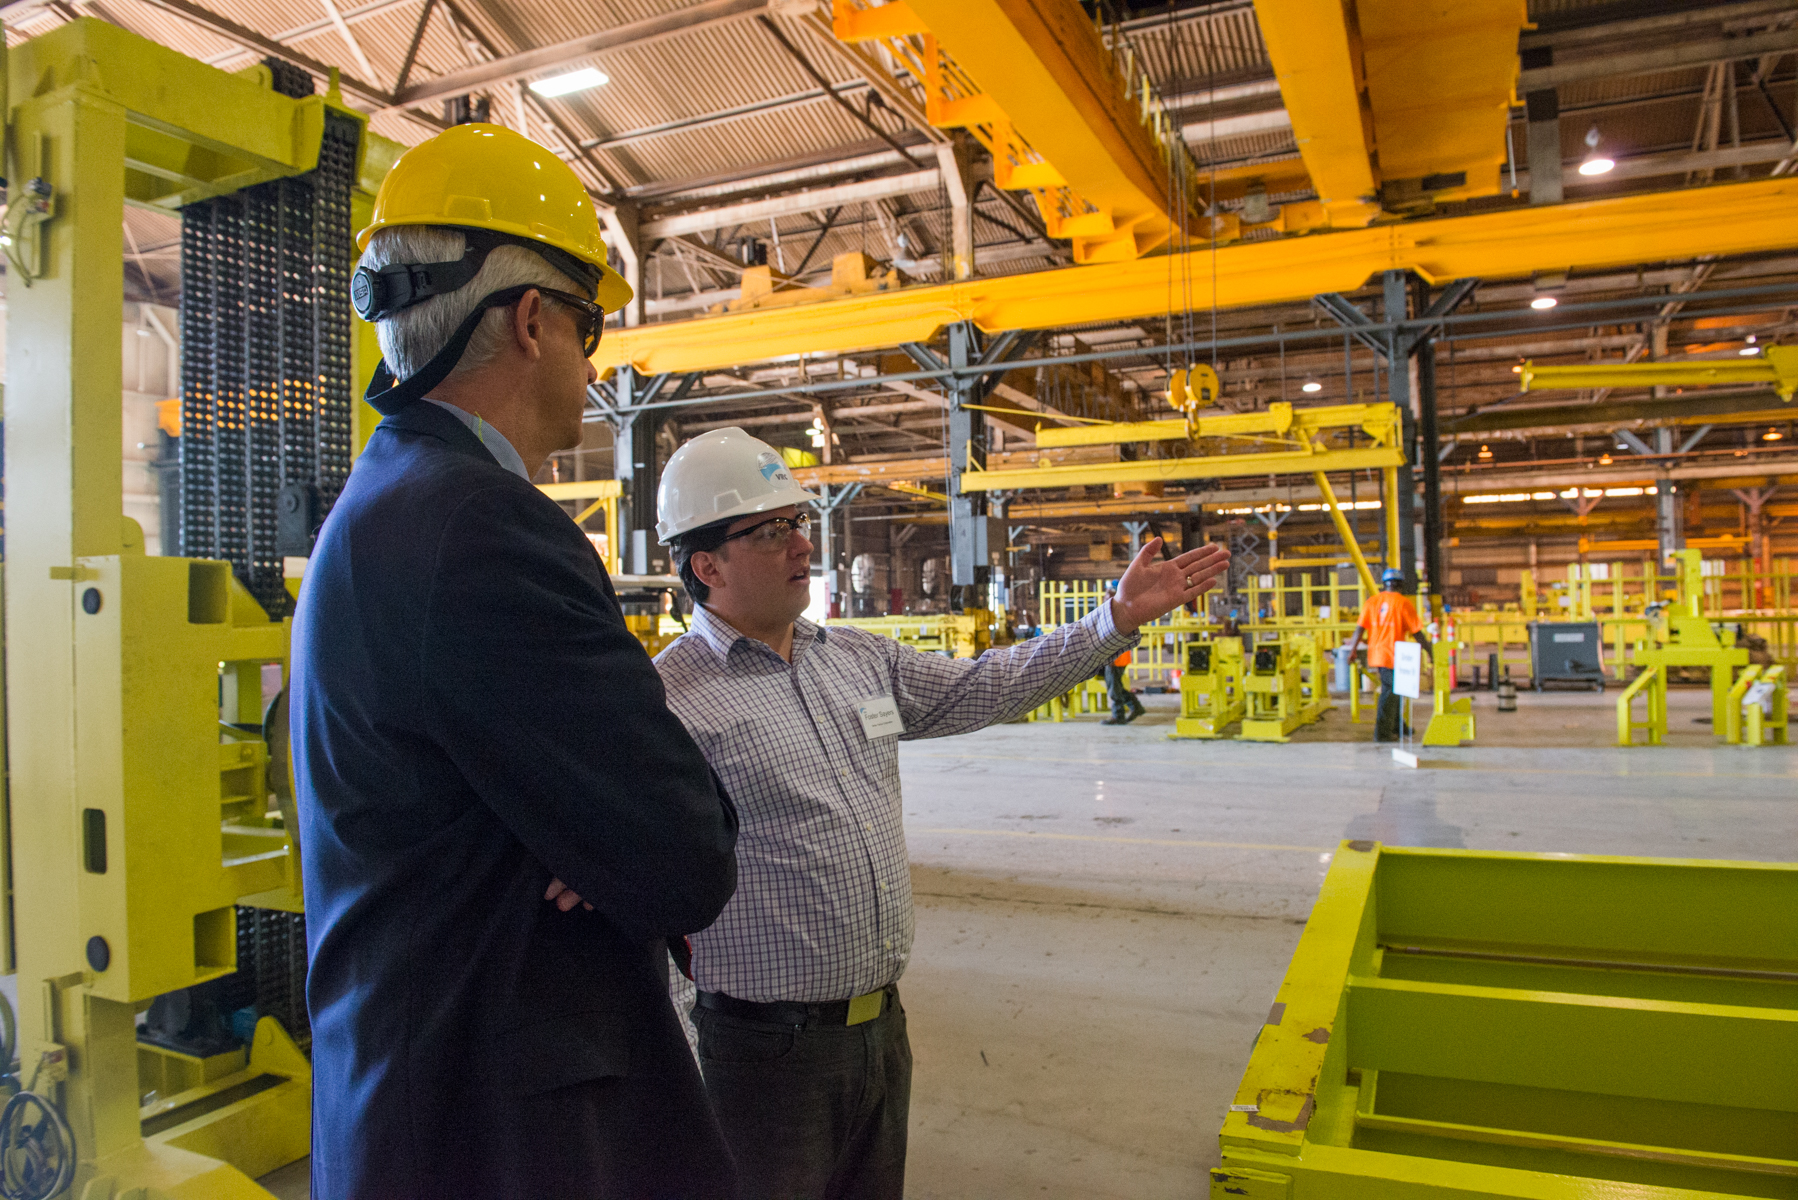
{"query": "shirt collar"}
pixel 723 637
pixel 495 441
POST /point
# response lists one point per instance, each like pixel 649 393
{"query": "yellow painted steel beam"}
pixel 1343 531
pixel 1778 366
pixel 191 131
pixel 1762 216
pixel 1041 66
pixel 1216 466
pixel 1315 48
pixel 1389 498
pixel 1280 420
pixel 1441 80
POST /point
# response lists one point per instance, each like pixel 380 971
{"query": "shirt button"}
pixel 868 826
pixel 889 943
pixel 883 887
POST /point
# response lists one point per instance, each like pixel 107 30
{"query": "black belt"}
pixel 812 1016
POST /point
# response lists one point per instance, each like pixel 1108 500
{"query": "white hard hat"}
pixel 720 475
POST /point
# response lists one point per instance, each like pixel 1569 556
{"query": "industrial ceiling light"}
pixel 1542 302
pixel 1750 350
pixel 1772 435
pixel 1485 452
pixel 1604 460
pixel 573 81
pixel 1595 163
pixel 1311 386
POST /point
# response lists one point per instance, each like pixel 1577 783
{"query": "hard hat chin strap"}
pixel 387 397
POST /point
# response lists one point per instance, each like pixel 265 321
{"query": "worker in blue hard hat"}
pixel 1387 618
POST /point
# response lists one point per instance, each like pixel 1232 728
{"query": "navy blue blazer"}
pixel 470 718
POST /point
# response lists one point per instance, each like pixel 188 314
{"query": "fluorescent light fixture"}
pixel 1311 386
pixel 1749 351
pixel 1542 302
pixel 574 81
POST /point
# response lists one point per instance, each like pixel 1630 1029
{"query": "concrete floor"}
pixel 1104 914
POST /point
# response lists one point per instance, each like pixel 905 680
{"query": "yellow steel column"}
pixel 1346 534
pixel 1389 505
pixel 63 431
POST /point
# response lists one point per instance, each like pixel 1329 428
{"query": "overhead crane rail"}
pixel 1620 231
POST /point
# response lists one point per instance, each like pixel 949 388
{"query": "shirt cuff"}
pixel 1111 639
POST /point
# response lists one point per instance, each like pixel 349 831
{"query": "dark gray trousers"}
pixel 1121 697
pixel 1388 716
pixel 811 1114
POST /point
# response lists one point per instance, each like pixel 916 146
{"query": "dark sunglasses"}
pixel 589 318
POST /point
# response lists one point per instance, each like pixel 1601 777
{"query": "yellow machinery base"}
pixel 210 1139
pixel 1202 727
pixel 1452 727
pixel 149 1171
pixel 1279 729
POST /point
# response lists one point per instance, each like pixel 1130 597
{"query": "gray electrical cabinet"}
pixel 1566 652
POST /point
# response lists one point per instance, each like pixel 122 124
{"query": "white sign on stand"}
pixel 1407 669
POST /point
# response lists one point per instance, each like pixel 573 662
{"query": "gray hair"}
pixel 411 337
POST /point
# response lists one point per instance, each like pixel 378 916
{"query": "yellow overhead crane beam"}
pixel 1441 79
pixel 1315 49
pixel 1761 215
pixel 1778 365
pixel 1292 440
pixel 1033 82
pixel 1395 105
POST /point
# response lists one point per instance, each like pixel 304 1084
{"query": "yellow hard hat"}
pixel 480 176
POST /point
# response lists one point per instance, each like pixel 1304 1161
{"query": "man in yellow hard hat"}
pixel 471 717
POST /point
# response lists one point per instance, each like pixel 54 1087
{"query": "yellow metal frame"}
pixel 1777 365
pixel 966 634
pixel 1588 234
pixel 1035 85
pixel 136 820
pixel 1491 1026
pixel 1211 700
pixel 1748 723
pixel 604 494
pixel 1296 693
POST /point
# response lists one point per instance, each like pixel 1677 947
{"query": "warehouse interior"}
pixel 1500 295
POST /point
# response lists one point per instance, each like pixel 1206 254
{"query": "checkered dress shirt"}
pixel 823 908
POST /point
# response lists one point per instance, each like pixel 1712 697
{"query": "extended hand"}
pixel 1152 588
pixel 564 899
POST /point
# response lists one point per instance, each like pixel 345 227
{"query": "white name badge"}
pixel 880 717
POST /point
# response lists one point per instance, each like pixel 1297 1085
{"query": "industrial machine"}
pixel 1680 636
pixel 1287 685
pixel 1475 1024
pixel 1567 652
pixel 160 936
pixel 1211 689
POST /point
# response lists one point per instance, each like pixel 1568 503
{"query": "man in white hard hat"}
pixel 801 1036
